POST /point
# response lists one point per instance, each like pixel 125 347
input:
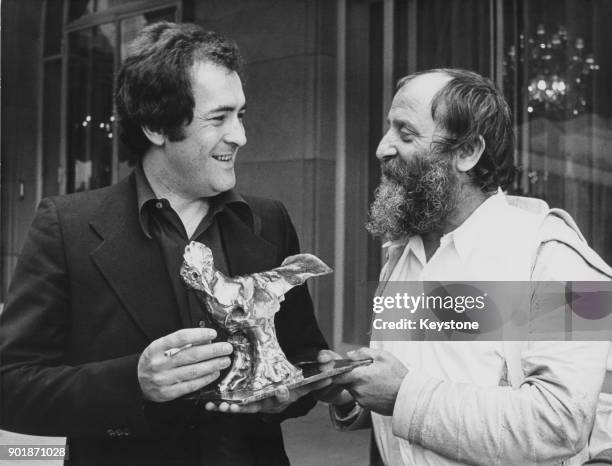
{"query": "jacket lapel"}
pixel 246 251
pixel 133 264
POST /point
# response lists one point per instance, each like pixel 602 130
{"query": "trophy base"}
pixel 311 371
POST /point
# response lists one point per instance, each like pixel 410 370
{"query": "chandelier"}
pixel 559 73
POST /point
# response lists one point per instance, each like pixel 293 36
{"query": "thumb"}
pixel 325 356
pixel 363 353
pixel 282 395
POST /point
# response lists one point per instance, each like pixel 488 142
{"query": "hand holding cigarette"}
pixel 172 351
pixel 181 363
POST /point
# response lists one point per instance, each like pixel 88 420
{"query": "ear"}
pixel 156 138
pixel 466 160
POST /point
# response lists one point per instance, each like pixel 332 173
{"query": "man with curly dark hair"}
pixel 446 158
pixel 99 339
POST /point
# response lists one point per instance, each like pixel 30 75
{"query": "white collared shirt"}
pixel 478 250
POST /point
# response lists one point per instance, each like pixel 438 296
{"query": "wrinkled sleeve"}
pixel 548 418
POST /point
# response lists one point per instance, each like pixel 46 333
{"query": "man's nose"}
pixel 386 147
pixel 236 134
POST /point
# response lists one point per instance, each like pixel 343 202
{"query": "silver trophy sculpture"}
pixel 245 307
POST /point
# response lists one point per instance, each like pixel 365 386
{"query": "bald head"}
pixel 420 89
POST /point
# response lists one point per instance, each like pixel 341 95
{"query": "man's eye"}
pixel 218 118
pixel 406 137
pixel 241 116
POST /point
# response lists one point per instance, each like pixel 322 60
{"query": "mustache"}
pixel 401 171
pixel 393 169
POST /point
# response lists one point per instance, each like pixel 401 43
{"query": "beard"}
pixel 414 197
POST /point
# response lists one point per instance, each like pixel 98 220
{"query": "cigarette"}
pixel 172 351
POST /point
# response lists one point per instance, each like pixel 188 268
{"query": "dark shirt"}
pixel 214 438
pixel 161 223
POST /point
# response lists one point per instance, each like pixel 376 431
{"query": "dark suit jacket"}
pixel 89 293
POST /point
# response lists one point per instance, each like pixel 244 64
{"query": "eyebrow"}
pixel 226 108
pixel 403 123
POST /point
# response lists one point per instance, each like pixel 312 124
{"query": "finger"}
pixel 349 377
pixel 282 395
pixel 180 338
pixel 330 394
pixel 311 387
pixel 204 352
pixel 249 408
pixel 210 406
pixel 194 371
pixel 326 367
pixel 171 392
pixel 342 379
pixel 269 405
pixel 224 407
pixel 325 356
pixel 364 353
pixel 321 384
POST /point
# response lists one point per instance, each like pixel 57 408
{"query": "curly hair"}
pixel 153 85
pixel 468 107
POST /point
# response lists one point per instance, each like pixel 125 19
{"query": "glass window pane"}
pixel 90 97
pixel 103 67
pixel 51 126
pixel 54 21
pixel 131 27
pixel 79 118
pixel 558 66
pixel 167 14
pixel 79 8
pixel 102 5
pixel 454 34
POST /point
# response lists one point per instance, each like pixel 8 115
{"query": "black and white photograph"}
pixel 306 232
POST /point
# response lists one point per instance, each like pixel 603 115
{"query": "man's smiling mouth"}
pixel 223 157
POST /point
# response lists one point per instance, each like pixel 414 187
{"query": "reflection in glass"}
pixel 90 115
pixel 51 105
pixel 559 72
pixel 54 13
pixel 94 54
pixel 131 27
pixel 558 66
pixel 79 8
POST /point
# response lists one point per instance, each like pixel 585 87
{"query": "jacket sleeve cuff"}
pixel 409 412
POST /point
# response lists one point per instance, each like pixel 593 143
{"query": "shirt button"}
pixel 159 205
pixel 201 324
